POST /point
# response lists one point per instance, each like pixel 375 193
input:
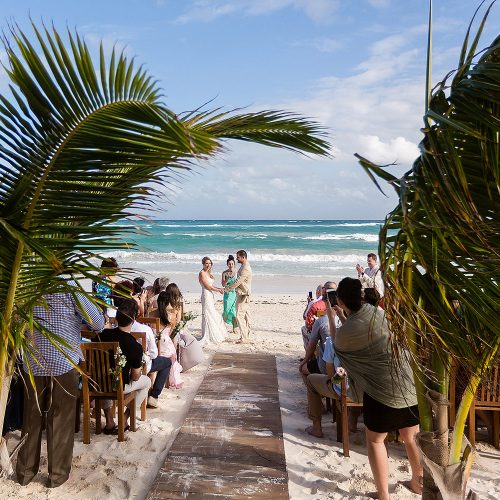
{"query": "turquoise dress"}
pixel 230 303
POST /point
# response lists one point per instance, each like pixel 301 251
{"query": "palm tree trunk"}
pixel 6 370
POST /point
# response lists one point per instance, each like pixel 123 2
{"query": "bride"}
pixel 213 330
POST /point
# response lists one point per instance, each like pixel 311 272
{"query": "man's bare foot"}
pixel 313 432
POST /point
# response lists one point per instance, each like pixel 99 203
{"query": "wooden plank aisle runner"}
pixel 231 443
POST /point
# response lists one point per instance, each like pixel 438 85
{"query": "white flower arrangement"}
pixel 120 362
pixel 339 374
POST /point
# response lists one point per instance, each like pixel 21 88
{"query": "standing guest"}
pixel 243 287
pixel 228 278
pixel 55 383
pixel 371 277
pixel 103 290
pixel 384 384
pixel 133 379
pixel 159 285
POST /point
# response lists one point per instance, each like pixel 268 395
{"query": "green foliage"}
pixel 82 147
pixel 439 247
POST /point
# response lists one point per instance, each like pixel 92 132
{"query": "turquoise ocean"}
pixel 293 253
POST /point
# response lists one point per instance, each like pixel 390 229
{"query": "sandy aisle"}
pixel 317 469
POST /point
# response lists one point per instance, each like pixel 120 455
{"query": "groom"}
pixel 243 286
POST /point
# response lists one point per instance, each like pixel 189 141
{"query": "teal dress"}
pixel 230 303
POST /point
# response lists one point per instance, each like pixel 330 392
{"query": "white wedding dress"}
pixel 213 330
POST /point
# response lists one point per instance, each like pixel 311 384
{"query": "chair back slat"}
pixel 98 365
pixel 154 323
pixel 488 393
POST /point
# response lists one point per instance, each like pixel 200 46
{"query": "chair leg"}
pixel 143 410
pixel 86 421
pixel 121 423
pixel 496 429
pixel 97 411
pixel 345 429
pixel 133 426
pixel 338 418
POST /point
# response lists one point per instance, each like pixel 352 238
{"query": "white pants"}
pixel 140 386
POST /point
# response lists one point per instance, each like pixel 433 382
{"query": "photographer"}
pixel 320 332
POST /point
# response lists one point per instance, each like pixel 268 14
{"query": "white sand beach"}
pixel 316 467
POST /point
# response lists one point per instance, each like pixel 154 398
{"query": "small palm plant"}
pixel 439 251
pixel 82 147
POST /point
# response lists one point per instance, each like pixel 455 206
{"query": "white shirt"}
pixel 151 347
pixel 372 278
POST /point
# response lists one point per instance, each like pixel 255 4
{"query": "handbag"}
pixel 190 351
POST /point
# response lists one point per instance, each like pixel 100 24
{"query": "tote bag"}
pixel 190 351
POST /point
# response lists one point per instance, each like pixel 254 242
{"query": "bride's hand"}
pixel 221 290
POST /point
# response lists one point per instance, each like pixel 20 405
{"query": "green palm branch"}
pixel 83 146
pixel 439 247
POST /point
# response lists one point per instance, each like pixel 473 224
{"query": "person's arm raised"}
pixel 204 282
pixel 330 312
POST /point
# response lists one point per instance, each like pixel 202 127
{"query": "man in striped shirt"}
pixel 56 383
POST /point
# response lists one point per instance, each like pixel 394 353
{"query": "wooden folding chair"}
pixel 487 399
pixel 97 384
pixel 342 416
pixel 154 323
pixel 142 337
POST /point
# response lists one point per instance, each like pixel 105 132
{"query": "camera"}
pixel 310 295
pixel 331 294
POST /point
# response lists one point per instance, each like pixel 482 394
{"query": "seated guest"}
pixel 384 383
pixel 126 289
pixel 159 285
pixel 370 296
pixel 320 332
pixel 161 365
pixel 315 309
pixel 133 379
pixel 319 385
pixel 170 315
pixel 310 302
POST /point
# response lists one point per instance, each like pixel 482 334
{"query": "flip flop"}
pixel 112 431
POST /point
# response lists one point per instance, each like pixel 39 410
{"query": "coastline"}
pixel 112 470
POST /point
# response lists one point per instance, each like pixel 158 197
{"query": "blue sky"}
pixel 357 66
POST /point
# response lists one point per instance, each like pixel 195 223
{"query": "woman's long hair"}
pixel 171 296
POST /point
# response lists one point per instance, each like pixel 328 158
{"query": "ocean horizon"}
pixel 285 255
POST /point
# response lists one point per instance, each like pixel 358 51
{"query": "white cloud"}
pixel 320 11
pixel 397 149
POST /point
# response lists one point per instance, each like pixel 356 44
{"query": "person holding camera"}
pixel 319 333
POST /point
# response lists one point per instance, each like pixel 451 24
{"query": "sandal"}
pixel 113 430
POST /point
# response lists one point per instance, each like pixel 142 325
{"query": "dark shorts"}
pixel 381 418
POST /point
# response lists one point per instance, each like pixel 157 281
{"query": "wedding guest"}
pixel 52 397
pixel 170 311
pixel 155 363
pixel 228 278
pixel 311 362
pixel 243 287
pixel 371 277
pixel 314 309
pixel 383 382
pixel 103 290
pixel 125 289
pixel 133 379
pixel 159 285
